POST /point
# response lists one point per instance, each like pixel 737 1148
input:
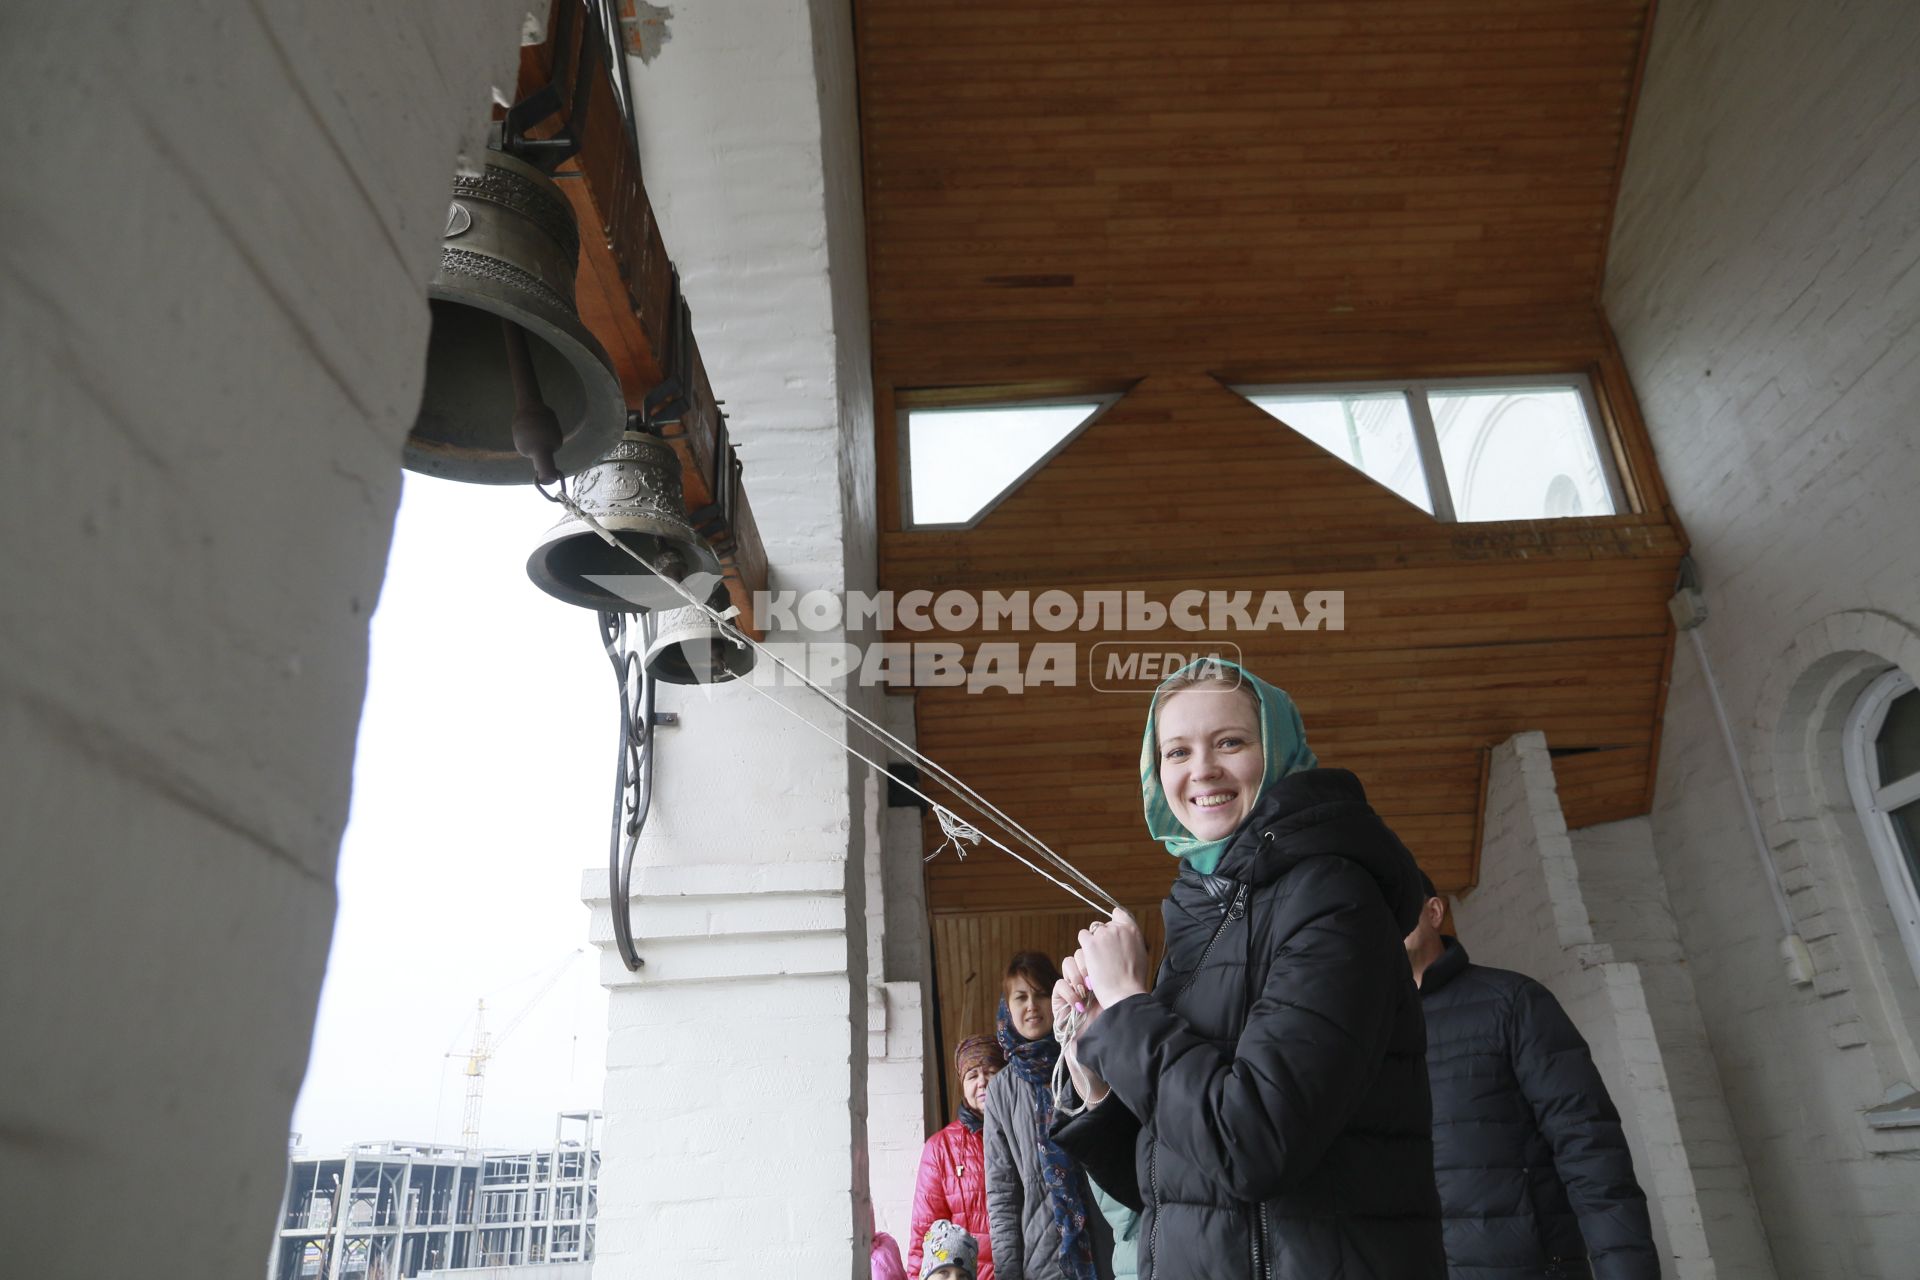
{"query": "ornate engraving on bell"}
pixel 689 648
pixel 510 252
pixel 634 493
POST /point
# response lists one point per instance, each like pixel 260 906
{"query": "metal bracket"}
pixel 666 719
pixel 714 521
pixel 669 399
pixel 548 154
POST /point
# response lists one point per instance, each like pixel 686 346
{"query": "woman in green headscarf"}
pixel 1263 1102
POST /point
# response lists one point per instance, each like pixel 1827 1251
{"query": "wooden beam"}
pixel 625 295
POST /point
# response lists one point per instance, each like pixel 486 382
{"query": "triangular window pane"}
pixel 1371 431
pixel 962 462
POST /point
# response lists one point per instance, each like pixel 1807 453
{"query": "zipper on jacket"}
pixel 1262 1259
pixel 1237 909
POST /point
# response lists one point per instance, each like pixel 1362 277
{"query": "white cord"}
pixel 873 729
pixel 959 835
pixel 1064 1031
pixel 739 637
pixel 944 814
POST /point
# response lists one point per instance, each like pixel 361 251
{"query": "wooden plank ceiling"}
pixel 1106 194
pixel 1093 159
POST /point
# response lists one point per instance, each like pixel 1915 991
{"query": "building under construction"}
pixel 392 1210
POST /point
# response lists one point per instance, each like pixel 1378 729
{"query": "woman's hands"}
pixel 1110 965
pixel 1067 1000
pixel 1112 959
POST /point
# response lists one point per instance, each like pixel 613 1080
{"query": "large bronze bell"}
pixel 634 493
pixel 689 648
pixel 509 360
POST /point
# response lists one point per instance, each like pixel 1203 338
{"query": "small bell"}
pixel 689 648
pixel 634 493
pixel 516 385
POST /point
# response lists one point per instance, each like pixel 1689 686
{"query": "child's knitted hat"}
pixel 948 1245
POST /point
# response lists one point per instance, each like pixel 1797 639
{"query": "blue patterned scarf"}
pixel 1032 1061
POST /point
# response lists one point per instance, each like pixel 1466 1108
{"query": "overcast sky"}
pixel 482 788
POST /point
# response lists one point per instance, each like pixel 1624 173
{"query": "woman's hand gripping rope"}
pixel 1113 960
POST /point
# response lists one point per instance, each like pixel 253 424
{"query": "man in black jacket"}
pixel 1533 1170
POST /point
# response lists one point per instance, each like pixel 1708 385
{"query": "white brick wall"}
pixel 1762 282
pixel 213 328
pixel 737 1086
pixel 899 1077
pixel 896 1097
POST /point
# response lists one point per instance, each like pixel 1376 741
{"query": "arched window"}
pixel 1883 771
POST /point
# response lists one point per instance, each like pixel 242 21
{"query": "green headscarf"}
pixel 1283 746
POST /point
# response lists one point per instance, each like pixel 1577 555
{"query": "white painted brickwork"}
pixel 899 1077
pixel 738 1060
pixel 213 328
pixel 896 1101
pixel 1762 280
pixel 1582 913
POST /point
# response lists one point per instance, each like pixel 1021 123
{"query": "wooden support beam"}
pixel 626 295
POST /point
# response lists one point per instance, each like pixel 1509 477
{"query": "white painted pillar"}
pixel 213 331
pixel 737 1058
pixel 898 1036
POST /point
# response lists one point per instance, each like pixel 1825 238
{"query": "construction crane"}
pixel 476 1078
pixel 485 1046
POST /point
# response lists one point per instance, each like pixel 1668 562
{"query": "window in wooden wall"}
pixel 1465 450
pixel 959 462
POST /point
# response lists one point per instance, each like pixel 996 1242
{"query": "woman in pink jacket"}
pixel 953 1165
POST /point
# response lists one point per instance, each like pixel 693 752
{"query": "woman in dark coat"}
pixel 1042 1217
pixel 1264 1102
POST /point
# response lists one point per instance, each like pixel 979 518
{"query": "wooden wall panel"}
pixel 1455 636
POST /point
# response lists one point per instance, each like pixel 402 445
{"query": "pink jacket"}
pixel 886 1258
pixel 952 1185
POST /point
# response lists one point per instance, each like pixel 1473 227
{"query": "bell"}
pixel 688 648
pixel 634 493
pixel 517 386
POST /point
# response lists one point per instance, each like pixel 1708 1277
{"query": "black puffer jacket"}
pixel 1532 1166
pixel 1269 1109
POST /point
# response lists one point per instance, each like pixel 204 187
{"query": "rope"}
pixel 944 814
pixel 950 822
pixel 958 835
pixel 1064 1031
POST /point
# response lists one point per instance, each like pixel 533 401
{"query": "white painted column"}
pixel 737 1058
pixel 213 331
pixel 899 1035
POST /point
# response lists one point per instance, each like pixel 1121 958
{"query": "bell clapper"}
pixel 536 429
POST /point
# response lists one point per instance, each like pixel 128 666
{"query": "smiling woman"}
pixel 1263 1104
pixel 1039 1207
pixel 1212 729
pixel 1210 758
